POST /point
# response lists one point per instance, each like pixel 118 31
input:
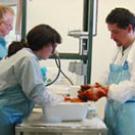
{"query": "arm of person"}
pixel 125 90
pixel 29 76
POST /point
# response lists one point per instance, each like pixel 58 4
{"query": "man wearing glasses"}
pixel 6 25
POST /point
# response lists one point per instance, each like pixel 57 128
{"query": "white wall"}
pixel 63 15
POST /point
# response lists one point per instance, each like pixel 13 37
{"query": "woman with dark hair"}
pixel 21 83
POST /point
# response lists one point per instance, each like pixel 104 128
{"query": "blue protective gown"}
pixel 120 117
pixel 21 86
pixel 3 49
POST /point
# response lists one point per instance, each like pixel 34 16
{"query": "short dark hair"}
pixel 41 35
pixel 122 17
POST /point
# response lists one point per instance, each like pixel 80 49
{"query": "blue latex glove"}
pixel 44 73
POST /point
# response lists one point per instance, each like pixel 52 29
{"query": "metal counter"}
pixel 35 125
pixel 50 130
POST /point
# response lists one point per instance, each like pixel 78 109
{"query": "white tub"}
pixel 65 112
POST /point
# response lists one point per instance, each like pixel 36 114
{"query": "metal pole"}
pixel 90 37
pixel 24 13
pixel 85 15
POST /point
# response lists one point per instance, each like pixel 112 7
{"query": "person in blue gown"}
pixel 6 25
pixel 21 82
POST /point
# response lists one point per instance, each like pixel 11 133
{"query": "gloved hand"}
pixel 69 99
pixel 101 92
pixel 88 95
pixel 94 93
